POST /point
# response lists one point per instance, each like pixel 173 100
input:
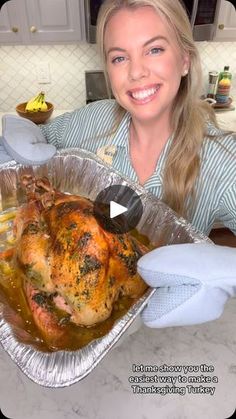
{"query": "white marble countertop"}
pixel 226 120
pixel 56 112
pixel 106 392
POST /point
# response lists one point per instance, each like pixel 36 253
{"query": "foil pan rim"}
pixel 84 360
pixel 78 152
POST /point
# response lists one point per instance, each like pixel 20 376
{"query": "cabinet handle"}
pixel 221 26
pixel 33 29
pixel 15 29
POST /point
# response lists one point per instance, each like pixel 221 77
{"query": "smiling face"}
pixel 144 63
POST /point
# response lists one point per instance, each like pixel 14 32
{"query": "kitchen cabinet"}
pixel 226 22
pixel 41 22
pixel 11 23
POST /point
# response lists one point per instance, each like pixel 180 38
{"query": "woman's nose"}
pixel 137 69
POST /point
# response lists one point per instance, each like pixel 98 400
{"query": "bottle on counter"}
pixel 213 77
pixel 224 85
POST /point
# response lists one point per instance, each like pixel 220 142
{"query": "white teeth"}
pixel 143 94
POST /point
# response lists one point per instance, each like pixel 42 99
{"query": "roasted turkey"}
pixel 69 260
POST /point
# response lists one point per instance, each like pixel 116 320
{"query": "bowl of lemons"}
pixel 36 109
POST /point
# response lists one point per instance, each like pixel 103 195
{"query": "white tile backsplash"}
pixel 216 55
pixel 68 63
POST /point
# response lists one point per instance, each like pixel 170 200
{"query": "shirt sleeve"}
pixel 69 129
pixel 54 131
pixel 227 212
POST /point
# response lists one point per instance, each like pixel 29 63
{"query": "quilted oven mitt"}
pixel 193 283
pixel 23 142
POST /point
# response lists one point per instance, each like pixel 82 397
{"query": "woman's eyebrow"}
pixel 115 49
pixel 155 38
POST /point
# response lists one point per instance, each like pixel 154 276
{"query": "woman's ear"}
pixel 185 72
pixel 186 64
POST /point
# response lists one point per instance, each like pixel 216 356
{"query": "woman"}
pixel 156 78
pixel 157 131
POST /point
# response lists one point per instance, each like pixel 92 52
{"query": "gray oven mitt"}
pixel 24 141
pixel 4 156
pixel 193 283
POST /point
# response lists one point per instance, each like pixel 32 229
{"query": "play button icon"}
pixel 118 209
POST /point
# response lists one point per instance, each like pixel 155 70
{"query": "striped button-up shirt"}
pixel 89 128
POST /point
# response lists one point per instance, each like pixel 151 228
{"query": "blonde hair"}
pixel 189 113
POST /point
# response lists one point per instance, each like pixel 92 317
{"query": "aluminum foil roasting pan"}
pixel 79 172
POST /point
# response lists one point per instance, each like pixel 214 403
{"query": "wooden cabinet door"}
pixel 55 21
pixel 226 25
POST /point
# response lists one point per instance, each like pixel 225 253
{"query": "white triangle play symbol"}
pixel 116 209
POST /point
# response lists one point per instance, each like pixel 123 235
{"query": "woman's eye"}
pixel 156 50
pixel 117 60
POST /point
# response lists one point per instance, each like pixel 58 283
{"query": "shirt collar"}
pixel 157 177
pixel 121 139
pixel 164 152
pixel 121 136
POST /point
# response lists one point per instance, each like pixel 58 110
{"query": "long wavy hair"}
pixel 189 113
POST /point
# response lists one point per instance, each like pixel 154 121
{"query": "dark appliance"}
pixel 203 16
pixel 96 88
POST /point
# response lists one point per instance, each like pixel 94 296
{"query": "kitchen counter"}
pixel 56 112
pixel 106 392
pixel 226 120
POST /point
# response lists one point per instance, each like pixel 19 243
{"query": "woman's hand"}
pixel 23 142
pixel 193 283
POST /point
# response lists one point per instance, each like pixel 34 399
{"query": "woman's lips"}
pixel 144 95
